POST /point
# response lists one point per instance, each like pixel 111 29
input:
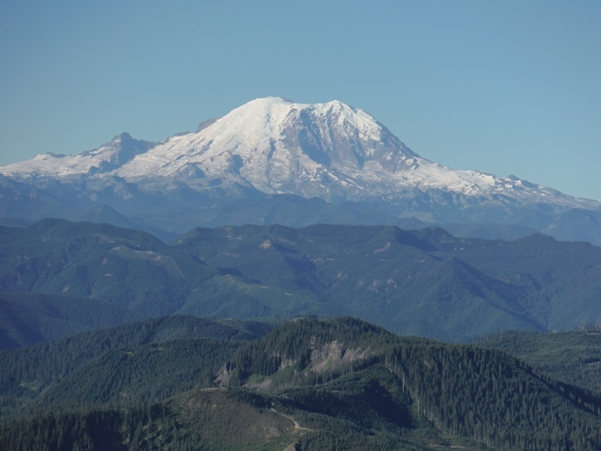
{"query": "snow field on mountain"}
pixel 329 150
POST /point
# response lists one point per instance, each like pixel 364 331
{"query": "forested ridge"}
pixel 309 384
pixel 31 373
pixel 30 318
pixel 572 356
pixel 425 283
pixel 463 390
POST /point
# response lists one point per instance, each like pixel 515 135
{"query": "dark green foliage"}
pixel 423 283
pixel 213 420
pixel 29 318
pixel 489 397
pixel 150 372
pixel 133 429
pixel 490 231
pixel 419 283
pixel 295 340
pixel 129 269
pixel 485 395
pixel 86 430
pixel 573 357
pixel 61 369
pixel 493 398
pixel 310 385
pixel 371 398
pixel 126 267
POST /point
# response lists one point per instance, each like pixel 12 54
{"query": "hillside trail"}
pixel 296 425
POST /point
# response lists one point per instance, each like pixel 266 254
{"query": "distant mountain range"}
pixel 67 277
pixel 275 161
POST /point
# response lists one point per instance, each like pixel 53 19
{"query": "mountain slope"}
pixel 29 318
pixel 573 357
pixel 331 151
pixel 462 390
pixel 34 372
pixel 120 150
pixel 426 283
pixel 275 147
pixel 416 281
pixel 135 271
pixel 313 385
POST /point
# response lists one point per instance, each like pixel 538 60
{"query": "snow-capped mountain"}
pixel 274 146
pixel 106 158
pixel 330 150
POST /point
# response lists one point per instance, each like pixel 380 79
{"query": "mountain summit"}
pixel 330 151
pixel 273 146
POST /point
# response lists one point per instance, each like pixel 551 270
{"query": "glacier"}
pixel 275 147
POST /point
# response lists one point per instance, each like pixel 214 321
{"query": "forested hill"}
pixel 572 356
pixel 308 385
pixel 425 283
pixel 32 372
pixel 30 318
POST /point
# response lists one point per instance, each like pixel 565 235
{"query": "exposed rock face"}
pixel 335 354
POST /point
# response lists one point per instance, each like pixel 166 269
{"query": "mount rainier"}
pixel 329 162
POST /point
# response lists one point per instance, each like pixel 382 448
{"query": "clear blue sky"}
pixel 505 87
